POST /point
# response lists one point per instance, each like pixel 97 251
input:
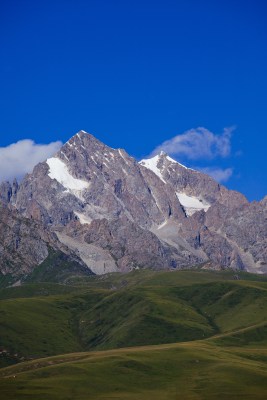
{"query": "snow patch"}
pixel 192 204
pixel 59 171
pixel 152 164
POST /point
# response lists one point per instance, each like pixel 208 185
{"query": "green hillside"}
pixel 193 370
pixel 193 318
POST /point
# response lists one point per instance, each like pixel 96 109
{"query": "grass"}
pixel 43 289
pixel 41 326
pixel 33 328
pixel 208 331
pixel 193 370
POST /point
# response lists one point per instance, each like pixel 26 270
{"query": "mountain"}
pixel 115 214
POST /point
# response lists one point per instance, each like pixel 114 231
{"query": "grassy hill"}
pixel 207 328
pixel 192 370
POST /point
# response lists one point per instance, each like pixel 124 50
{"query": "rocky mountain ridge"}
pixel 116 214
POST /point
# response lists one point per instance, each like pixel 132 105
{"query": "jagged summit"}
pixel 158 160
pixel 80 138
pixel 79 135
pixel 161 164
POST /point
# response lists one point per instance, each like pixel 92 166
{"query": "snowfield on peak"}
pixel 59 171
pixel 192 204
pixel 152 164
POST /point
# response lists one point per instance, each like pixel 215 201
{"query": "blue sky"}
pixel 138 74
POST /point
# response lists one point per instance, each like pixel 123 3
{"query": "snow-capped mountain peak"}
pixel 115 213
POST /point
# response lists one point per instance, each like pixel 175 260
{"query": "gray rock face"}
pixel 193 183
pixel 8 192
pixel 246 228
pixel 25 243
pixel 240 233
pixel 21 243
pixel 134 247
pixel 223 225
pixel 116 214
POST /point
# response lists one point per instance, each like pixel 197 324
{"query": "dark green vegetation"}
pixel 6 280
pixel 57 267
pixel 209 333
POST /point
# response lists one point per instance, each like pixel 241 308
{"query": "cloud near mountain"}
pixel 199 143
pixel 219 174
pixel 19 158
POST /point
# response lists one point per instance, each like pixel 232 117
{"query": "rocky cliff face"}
pixel 25 244
pixel 116 214
pixel 8 192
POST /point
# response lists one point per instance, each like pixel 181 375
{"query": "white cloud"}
pixel 19 158
pixel 219 174
pixel 198 143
